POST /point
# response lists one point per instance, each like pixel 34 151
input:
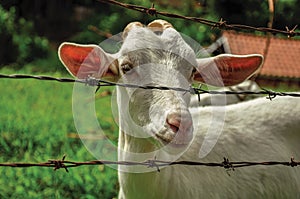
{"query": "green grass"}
pixel 35 121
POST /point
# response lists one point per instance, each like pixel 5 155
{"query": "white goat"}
pixel 208 99
pixel 159 123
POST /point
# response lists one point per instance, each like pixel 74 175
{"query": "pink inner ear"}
pixel 226 69
pixel 81 61
pixel 236 69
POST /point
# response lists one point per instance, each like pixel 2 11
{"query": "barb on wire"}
pixel 198 91
pixel 214 24
pixel 154 163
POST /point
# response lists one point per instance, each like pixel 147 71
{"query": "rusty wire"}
pixel 198 91
pixel 152 163
pixel 221 24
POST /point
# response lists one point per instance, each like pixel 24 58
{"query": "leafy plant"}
pixel 19 42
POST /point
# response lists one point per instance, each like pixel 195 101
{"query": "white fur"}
pixel 256 130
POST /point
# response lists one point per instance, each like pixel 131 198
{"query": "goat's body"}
pixel 257 130
pixel 155 123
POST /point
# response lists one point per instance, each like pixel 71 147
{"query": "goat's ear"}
pixel 87 60
pixel 227 69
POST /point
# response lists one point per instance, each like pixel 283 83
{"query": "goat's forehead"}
pixel 170 41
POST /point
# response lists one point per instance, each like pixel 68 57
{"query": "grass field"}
pixel 35 123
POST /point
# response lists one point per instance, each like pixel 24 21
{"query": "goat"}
pixel 155 123
pixel 208 99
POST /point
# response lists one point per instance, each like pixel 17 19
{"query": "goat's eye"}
pixel 126 67
pixel 193 72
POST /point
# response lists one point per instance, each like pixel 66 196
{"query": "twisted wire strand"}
pixel 101 83
pixel 221 24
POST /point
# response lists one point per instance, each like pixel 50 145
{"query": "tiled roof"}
pixel 281 60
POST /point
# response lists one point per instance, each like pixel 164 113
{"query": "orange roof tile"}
pixel 282 59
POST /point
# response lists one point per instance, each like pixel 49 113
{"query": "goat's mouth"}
pixel 176 140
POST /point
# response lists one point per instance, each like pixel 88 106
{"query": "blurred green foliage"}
pixel 24 22
pixel 19 42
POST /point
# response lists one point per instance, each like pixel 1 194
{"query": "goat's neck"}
pixel 127 140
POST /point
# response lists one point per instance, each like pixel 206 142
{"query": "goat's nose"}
pixel 178 121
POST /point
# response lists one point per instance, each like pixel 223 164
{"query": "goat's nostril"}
pixel 174 124
pixel 179 122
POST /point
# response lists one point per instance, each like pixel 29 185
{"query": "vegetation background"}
pixel 36 122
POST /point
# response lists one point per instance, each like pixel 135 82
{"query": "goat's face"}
pixel 156 56
pixel 151 59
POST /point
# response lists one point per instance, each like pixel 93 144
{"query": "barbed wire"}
pixel 221 24
pixel 152 163
pixel 91 81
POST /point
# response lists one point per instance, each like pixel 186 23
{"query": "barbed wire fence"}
pixel 58 164
pixel 153 163
pixel 221 24
pixel 91 81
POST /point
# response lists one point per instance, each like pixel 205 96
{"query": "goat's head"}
pixel 156 55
